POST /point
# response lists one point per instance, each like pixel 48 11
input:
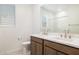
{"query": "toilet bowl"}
pixel 26 46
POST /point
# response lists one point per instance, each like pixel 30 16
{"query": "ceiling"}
pixel 58 7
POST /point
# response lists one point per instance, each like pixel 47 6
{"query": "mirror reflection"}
pixel 60 17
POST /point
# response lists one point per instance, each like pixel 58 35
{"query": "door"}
pixel 49 51
pixel 33 48
pixel 38 49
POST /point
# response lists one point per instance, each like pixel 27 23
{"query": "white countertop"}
pixel 74 42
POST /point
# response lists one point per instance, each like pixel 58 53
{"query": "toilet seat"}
pixel 26 43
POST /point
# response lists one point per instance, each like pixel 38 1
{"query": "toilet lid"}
pixel 24 43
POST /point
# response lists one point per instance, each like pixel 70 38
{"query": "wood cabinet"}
pixel 49 51
pixel 60 53
pixel 33 48
pixel 36 46
pixel 65 49
pixel 38 49
pixel 45 47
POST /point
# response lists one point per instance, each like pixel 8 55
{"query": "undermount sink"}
pixel 72 39
pixel 58 38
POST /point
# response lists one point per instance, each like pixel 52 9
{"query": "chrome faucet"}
pixel 67 33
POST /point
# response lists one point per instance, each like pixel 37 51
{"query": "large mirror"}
pixel 59 17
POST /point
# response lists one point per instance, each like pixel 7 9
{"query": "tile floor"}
pixel 22 51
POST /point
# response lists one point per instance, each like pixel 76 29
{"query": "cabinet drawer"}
pixel 62 48
pixel 39 40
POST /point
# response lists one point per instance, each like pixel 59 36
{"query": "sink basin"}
pixel 72 40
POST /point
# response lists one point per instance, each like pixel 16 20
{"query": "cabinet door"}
pixel 49 51
pixel 33 48
pixel 38 49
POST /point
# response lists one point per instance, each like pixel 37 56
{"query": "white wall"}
pixel 36 19
pixel 23 28
pixel 24 21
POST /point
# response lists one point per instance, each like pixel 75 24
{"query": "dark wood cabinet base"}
pixel 44 47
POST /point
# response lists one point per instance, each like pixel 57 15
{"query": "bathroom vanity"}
pixel 44 45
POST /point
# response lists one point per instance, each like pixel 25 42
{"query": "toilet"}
pixel 26 46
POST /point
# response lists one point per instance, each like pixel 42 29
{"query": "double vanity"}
pixel 53 45
pixel 60 26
